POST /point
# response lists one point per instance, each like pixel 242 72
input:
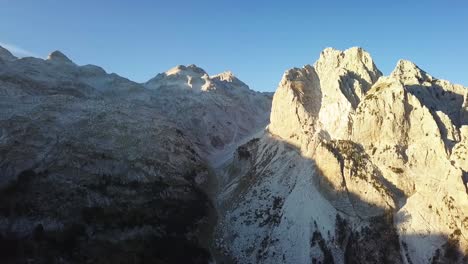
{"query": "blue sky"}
pixel 257 40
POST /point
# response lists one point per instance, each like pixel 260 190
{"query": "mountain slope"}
pixel 97 168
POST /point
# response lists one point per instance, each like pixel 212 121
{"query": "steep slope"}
pixel 97 168
pixel 88 168
pixel 353 168
pixel 404 112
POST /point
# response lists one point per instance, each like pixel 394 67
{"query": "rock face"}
pixel 97 168
pixel 353 168
pixel 324 95
pixel 299 96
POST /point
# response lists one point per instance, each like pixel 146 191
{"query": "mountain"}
pixel 218 111
pixel 97 168
pixel 340 165
pixel 354 167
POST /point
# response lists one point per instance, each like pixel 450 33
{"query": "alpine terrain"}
pixel 95 168
pixel 340 165
pixel 354 167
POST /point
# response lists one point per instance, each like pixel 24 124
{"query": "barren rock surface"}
pixel 355 167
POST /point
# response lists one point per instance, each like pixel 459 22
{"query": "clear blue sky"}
pixel 257 40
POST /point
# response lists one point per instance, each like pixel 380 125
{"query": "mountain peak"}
pixel 355 60
pixel 406 66
pixel 229 78
pixel 190 76
pixel 352 55
pixel 191 70
pixel 353 51
pixel 58 56
pixel 409 72
pixel 194 67
pixel 225 76
pixel 6 54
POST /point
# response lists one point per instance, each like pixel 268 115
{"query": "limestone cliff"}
pixel 371 169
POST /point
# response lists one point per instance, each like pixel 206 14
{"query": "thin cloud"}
pixel 18 51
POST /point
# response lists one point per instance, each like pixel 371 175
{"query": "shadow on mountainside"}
pixel 44 220
pixel 438 99
pixel 163 221
pixel 376 241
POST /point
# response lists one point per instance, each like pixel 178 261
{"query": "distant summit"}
pixel 58 56
pixel 194 78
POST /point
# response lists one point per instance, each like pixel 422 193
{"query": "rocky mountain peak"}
pixel 191 76
pixel 228 77
pixel 354 54
pixel 195 68
pixel 58 56
pixel 296 104
pixel 336 83
pixel 355 60
pixel 409 73
pixel 6 55
pixel 190 70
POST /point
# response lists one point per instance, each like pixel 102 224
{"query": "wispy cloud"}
pixel 18 51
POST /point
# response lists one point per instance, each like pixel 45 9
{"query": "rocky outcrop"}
pixel 385 155
pixel 459 151
pixel 345 77
pixel 297 104
pixel 413 153
pixel 324 95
